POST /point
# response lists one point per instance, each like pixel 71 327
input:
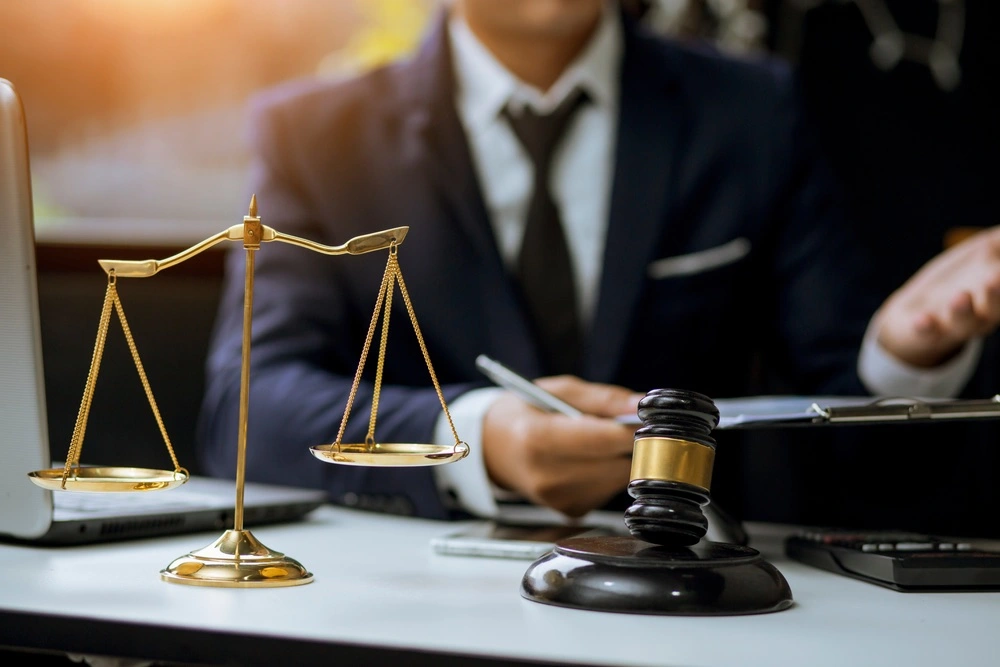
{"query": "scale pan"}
pixel 393 454
pixel 102 479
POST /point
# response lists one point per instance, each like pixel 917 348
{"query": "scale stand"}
pixel 237 558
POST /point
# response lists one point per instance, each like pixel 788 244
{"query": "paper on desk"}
pixel 736 412
pixel 752 411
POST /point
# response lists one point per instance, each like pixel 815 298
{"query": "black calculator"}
pixel 899 560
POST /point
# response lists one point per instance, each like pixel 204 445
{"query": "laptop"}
pixel 29 513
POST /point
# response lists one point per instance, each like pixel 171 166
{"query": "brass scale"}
pixel 237 558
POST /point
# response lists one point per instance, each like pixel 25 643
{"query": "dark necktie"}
pixel 544 268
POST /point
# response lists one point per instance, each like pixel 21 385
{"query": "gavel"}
pixel 664 566
pixel 672 461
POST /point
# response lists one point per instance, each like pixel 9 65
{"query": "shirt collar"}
pixel 484 86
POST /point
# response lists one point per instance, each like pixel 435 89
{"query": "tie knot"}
pixel 540 133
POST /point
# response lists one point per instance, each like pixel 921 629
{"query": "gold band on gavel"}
pixel 673 460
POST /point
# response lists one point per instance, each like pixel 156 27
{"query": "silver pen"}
pixel 523 387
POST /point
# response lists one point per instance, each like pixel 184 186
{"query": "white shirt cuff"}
pixel 467 481
pixel 884 375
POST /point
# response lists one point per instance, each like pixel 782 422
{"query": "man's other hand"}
pixel 952 299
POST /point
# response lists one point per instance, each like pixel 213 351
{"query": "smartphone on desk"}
pixel 509 540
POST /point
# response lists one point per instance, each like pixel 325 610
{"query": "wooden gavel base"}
pixel 627 575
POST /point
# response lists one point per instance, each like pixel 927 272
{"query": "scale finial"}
pixel 253 206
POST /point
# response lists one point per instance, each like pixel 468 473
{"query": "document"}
pixel 777 411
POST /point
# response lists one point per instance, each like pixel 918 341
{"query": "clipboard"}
pixel 793 411
pixel 799 411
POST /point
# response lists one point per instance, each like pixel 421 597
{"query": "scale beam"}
pixel 359 245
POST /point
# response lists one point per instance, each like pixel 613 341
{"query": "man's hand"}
pixel 953 298
pixel 571 464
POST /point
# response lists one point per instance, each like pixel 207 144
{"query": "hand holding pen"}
pixel 573 460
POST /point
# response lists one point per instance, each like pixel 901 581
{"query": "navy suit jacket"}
pixel 709 149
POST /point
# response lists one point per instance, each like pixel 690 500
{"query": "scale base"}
pixel 236 560
pixel 627 575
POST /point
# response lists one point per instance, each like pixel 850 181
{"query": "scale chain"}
pixel 377 389
pixel 364 356
pixel 393 274
pixel 76 442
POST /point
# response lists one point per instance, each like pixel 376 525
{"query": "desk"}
pixel 381 595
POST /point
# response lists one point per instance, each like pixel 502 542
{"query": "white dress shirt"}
pixel 581 186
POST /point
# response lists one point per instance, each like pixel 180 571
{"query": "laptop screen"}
pixel 25 510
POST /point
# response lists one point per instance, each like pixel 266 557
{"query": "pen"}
pixel 523 387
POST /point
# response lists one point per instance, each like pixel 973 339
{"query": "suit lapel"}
pixel 649 125
pixel 435 147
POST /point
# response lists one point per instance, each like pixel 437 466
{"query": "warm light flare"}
pixel 160 15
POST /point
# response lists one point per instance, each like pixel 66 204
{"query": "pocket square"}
pixel 698 262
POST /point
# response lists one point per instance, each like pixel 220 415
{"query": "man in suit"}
pixel 700 224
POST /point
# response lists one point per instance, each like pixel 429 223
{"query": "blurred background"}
pixel 135 107
pixel 135 112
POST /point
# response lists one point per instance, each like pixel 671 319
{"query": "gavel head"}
pixel 672 461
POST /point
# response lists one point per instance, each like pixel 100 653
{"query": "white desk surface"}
pixel 377 583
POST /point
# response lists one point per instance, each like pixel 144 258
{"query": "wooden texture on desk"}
pixel 381 592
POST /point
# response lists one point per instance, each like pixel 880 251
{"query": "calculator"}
pixel 901 561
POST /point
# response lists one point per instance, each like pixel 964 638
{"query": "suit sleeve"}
pixel 823 276
pixel 308 325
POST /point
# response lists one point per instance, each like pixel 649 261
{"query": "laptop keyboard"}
pixel 100 504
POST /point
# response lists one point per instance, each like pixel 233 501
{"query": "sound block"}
pixel 627 575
